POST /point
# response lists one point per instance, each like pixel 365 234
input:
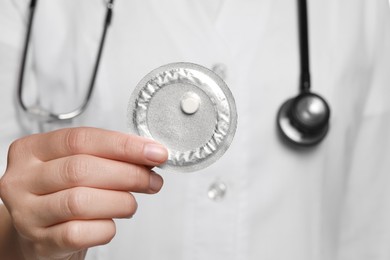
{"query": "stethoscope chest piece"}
pixel 304 120
pixel 187 108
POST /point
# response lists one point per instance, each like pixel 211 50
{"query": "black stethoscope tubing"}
pixel 39 113
pixel 303 46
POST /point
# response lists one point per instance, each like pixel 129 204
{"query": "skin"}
pixel 63 189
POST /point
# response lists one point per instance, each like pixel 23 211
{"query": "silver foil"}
pixel 194 141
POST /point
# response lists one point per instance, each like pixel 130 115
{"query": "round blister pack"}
pixel 187 108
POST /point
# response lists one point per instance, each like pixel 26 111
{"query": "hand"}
pixel 63 188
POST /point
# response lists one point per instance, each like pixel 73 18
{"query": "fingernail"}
pixel 155 182
pixel 155 153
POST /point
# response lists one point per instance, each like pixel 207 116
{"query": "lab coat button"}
pixel 217 191
pixel 220 69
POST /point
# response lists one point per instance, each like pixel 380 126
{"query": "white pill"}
pixel 190 103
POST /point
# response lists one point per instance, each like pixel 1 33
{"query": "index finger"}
pixel 98 142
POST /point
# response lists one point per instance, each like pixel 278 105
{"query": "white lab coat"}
pixel 331 202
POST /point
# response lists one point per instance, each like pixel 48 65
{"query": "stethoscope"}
pixel 302 120
pixel 38 112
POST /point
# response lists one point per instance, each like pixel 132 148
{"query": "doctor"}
pixel 264 199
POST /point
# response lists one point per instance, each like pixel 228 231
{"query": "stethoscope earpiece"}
pixel 304 120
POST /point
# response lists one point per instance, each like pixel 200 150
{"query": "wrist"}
pixel 9 244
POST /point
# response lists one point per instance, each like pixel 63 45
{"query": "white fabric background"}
pixel 331 202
